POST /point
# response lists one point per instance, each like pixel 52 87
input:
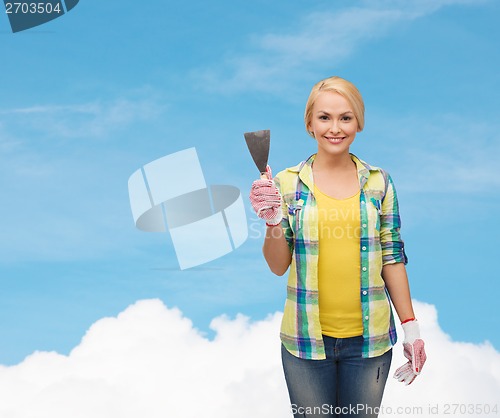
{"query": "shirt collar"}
pixel 306 174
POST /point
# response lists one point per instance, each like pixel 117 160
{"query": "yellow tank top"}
pixel 339 265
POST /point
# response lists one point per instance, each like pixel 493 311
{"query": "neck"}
pixel 328 162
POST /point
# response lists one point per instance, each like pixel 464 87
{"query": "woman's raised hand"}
pixel 266 200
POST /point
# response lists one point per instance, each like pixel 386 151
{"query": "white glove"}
pixel 266 200
pixel 414 351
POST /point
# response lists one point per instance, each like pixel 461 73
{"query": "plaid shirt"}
pixel 380 244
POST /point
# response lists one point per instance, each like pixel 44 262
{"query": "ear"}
pixel 309 129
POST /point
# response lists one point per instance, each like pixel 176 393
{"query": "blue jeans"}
pixel 344 384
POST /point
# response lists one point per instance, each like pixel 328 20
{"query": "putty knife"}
pixel 258 144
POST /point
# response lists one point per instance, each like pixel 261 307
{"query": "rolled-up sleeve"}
pixel 285 223
pixel 390 223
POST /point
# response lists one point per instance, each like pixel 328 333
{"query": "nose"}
pixel 335 128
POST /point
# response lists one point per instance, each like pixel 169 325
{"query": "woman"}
pixel 333 221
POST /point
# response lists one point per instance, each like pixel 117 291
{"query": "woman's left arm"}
pixel 396 281
pixel 393 254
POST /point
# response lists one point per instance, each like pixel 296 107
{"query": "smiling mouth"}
pixel 335 139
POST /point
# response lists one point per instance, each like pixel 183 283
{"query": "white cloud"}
pixel 323 39
pixel 150 362
pixel 419 7
pixel 92 119
pixel 455 372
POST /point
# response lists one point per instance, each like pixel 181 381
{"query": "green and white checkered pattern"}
pixel 380 244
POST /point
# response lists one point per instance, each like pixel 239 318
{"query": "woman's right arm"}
pixel 268 204
pixel 276 250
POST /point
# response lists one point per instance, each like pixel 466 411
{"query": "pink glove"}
pixel 266 200
pixel 414 351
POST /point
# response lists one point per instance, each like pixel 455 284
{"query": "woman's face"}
pixel 333 123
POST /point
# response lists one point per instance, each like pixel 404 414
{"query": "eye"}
pixel 346 118
pixel 323 117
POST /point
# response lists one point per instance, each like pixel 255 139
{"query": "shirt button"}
pixel 364 292
pixel 364 268
pixel 364 225
pixel 362 202
pixel 363 248
pixel 366 318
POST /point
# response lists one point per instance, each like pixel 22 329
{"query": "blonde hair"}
pixel 344 88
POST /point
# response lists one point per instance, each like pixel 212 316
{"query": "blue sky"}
pixel 90 97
